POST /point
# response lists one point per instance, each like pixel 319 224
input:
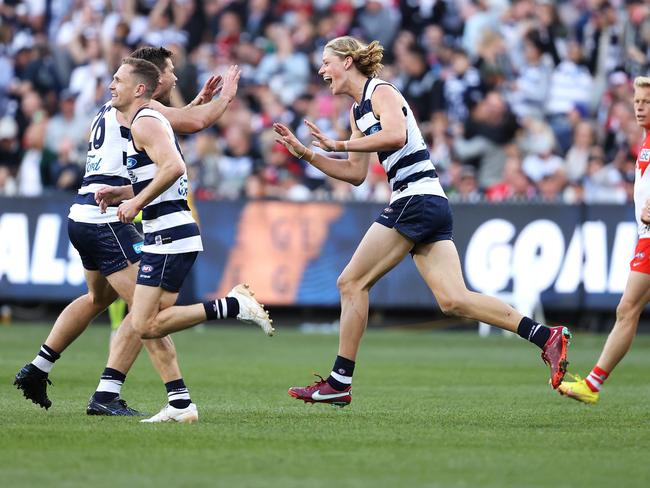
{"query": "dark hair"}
pixel 155 55
pixel 145 72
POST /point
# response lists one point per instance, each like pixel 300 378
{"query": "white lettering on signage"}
pixel 44 268
pixel 497 257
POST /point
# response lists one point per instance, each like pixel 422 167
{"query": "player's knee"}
pixel 146 329
pixel 100 301
pixel 347 285
pixel 451 306
pixel 627 310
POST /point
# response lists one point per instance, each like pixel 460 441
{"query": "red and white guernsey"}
pixel 642 186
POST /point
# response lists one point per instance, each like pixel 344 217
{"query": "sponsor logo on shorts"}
pixel 138 247
pixel 147 268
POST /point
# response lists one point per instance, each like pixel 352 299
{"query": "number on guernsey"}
pixel 98 128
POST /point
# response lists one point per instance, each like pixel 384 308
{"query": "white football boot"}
pixel 187 415
pixel 250 310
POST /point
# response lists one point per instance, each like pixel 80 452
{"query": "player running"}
pixel 637 289
pixel 110 250
pixel 418 219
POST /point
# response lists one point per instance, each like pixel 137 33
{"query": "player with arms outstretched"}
pixel 418 219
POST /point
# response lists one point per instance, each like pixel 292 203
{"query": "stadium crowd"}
pixel 518 99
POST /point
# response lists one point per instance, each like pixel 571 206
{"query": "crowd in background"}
pixel 517 99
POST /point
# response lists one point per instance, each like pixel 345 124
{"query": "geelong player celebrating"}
pixel 171 236
pixel 637 289
pixel 418 219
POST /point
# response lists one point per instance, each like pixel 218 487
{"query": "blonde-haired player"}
pixel 637 289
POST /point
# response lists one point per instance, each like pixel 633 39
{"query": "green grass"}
pixel 430 409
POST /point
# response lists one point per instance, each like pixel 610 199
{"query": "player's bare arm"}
pixel 189 120
pixel 352 170
pixel 149 135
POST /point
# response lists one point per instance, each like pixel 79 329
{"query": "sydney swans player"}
pixel 637 289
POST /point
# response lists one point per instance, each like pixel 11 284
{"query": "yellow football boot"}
pixel 578 390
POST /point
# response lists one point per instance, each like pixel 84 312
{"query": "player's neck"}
pixel 132 109
pixel 356 85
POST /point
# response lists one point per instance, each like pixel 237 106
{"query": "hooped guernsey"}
pixel 105 165
pixel 409 169
pixel 167 221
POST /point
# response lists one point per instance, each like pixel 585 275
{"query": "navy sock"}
pixel 341 376
pixel 220 309
pixel 533 332
pixel 44 360
pixel 110 385
pixel 177 394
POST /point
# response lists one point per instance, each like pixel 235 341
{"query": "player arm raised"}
pixel 194 118
pixel 353 170
pixel 149 135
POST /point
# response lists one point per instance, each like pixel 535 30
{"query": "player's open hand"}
pixel 320 139
pixel 210 88
pixel 230 82
pixel 106 196
pixel 289 140
pixel 127 211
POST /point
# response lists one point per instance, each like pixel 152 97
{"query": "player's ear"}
pixel 348 62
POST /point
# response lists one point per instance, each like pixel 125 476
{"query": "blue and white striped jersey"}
pixel 409 169
pixel 105 165
pixel 167 221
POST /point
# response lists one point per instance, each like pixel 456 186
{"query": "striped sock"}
pixel 110 385
pixel 533 332
pixel 221 309
pixel 45 358
pixel 177 394
pixel 341 376
pixel 596 379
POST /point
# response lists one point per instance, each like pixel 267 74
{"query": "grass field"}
pixel 434 409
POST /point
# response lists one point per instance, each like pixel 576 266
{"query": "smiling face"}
pixel 642 106
pixel 123 87
pixel 334 72
pixel 166 83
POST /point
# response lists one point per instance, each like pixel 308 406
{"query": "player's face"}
pixel 642 106
pixel 333 71
pixel 122 87
pixel 166 83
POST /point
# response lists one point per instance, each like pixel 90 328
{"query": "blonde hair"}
pixel 366 57
pixel 642 82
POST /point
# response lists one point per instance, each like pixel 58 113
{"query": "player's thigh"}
pixel 123 282
pixel 637 291
pixel 380 250
pixel 146 304
pixel 439 265
pixel 99 289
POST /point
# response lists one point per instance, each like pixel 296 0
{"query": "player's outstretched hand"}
pixel 230 82
pixel 321 140
pixel 210 89
pixel 289 140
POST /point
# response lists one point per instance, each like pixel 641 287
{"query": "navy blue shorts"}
pixel 420 218
pixel 167 271
pixel 105 247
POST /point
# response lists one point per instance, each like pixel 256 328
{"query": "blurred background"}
pixel 526 106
